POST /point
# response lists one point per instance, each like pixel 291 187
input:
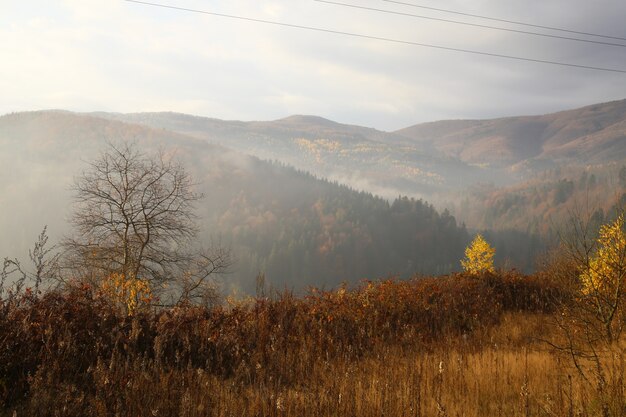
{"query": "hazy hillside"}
pixel 363 158
pixel 590 135
pixel 297 229
pixel 515 176
pixel 543 203
pixel 40 153
pixel 435 160
pixel 564 162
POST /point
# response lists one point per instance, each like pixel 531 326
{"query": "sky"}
pixel 116 55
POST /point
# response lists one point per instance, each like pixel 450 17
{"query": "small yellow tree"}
pixel 478 256
pixel 603 279
pixel 591 314
pixel 606 271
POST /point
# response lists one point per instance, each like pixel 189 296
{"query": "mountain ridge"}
pixel 555 137
pixel 422 160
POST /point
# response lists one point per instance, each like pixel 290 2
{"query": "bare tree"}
pixel 134 216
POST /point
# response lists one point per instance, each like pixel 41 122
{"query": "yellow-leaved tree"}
pixel 478 256
pixel 591 310
pixel 606 272
pixel 128 292
pixel 603 279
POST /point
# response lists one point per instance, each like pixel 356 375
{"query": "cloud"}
pixel 90 55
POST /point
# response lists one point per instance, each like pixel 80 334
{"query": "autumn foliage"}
pixel 76 349
pixel 126 291
pixel 478 257
pixel 606 271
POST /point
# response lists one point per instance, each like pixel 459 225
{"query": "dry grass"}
pixel 391 348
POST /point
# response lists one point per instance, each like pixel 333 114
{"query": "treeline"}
pixel 543 203
pixel 299 230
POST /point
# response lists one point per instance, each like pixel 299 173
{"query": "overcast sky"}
pixel 114 55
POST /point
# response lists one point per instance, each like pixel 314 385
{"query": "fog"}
pixel 305 200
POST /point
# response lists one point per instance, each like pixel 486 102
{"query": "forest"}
pixel 316 232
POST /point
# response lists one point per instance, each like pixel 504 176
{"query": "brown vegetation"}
pixel 456 345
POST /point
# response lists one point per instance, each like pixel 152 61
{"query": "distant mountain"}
pixel 590 135
pixel 566 162
pixel 364 158
pixel 297 229
pixel 428 159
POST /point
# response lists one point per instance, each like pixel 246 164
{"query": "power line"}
pixel 378 38
pixel 495 19
pixel 456 22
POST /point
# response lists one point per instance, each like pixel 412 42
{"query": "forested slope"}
pixel 297 229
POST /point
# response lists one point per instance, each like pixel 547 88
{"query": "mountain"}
pixel 364 158
pixel 432 160
pixel 297 229
pixel 514 176
pixel 566 162
pixel 590 135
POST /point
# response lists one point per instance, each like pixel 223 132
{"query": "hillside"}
pixel 566 162
pixel 422 159
pixel 541 205
pixel 515 178
pixel 364 158
pixel 297 229
pixel 499 174
pixel 589 135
